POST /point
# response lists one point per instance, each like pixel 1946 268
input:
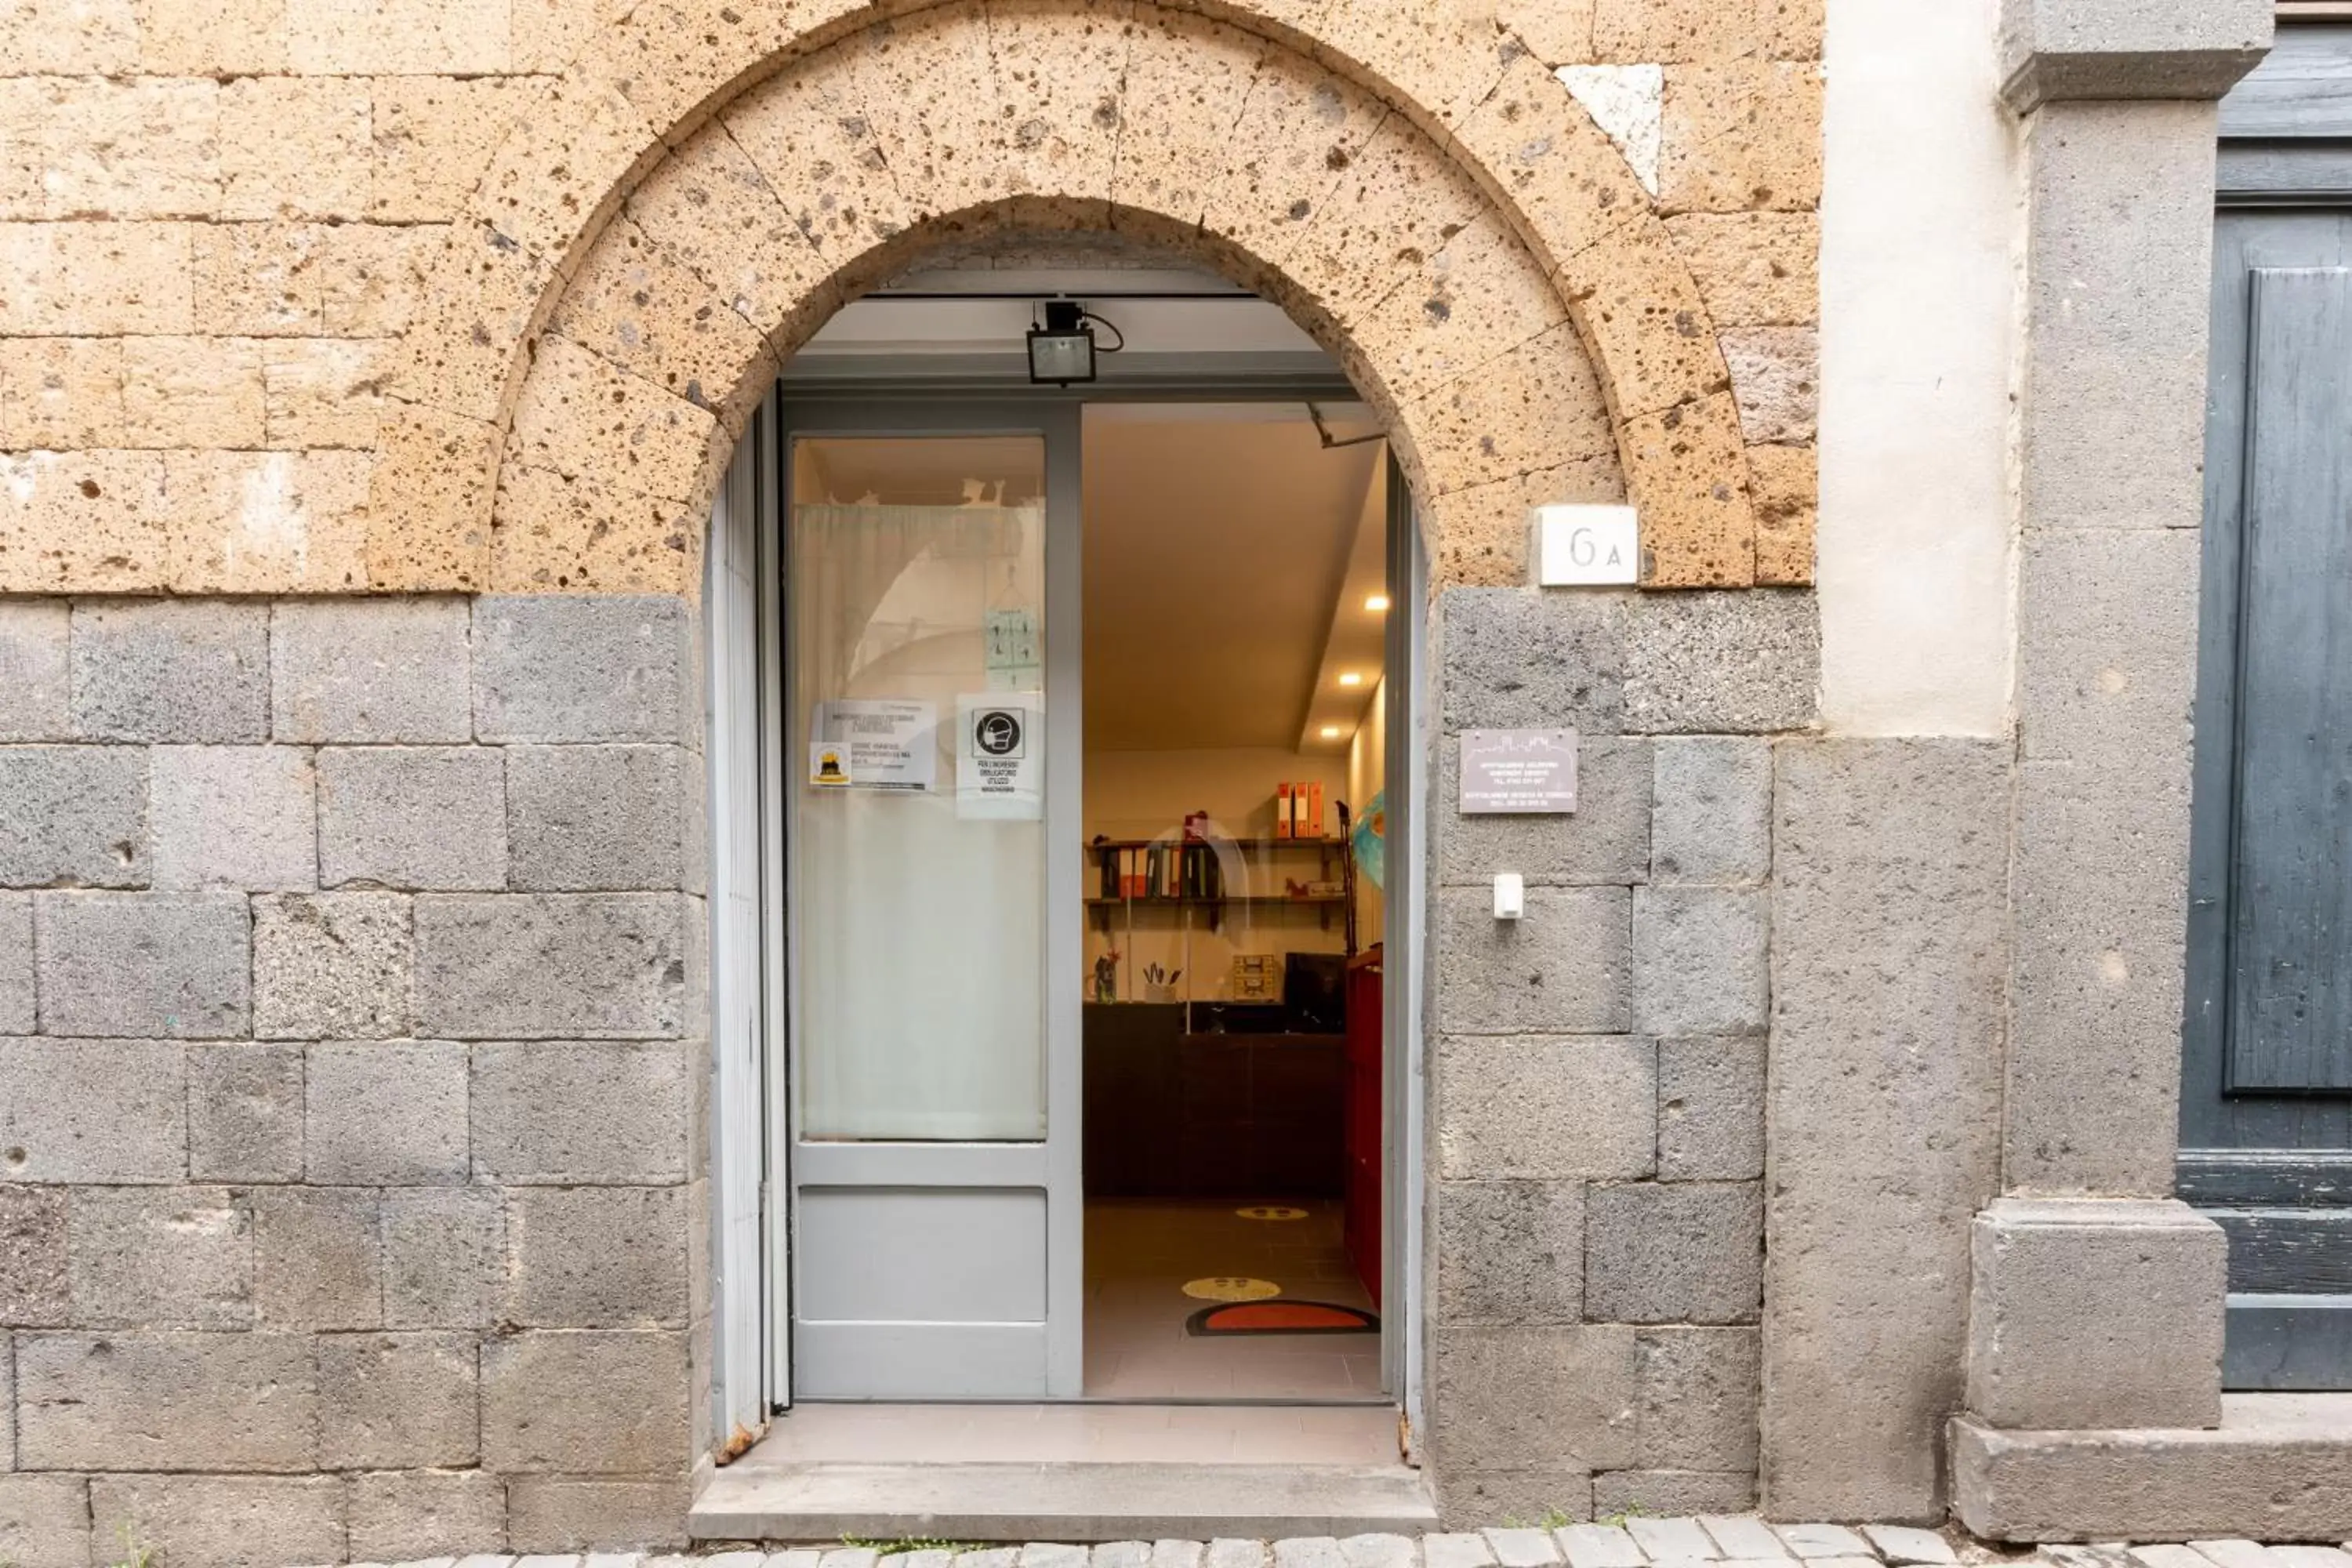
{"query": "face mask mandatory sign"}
pixel 1001 755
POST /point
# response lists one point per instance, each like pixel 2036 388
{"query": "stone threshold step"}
pixel 1126 1501
pixel 2279 1468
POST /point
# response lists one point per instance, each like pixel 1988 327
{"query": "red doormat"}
pixel 1281 1318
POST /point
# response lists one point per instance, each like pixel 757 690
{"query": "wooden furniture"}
pixel 1176 1114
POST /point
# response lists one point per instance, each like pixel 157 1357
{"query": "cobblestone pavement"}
pixel 1735 1541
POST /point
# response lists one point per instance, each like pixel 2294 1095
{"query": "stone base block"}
pixel 2095 1313
pixel 2279 1468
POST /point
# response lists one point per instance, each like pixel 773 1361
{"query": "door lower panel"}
pixel 918 1361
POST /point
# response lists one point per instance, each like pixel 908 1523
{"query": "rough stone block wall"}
pixel 352 1085
pixel 1598 1068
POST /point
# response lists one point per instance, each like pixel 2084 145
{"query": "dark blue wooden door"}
pixel 2266 1104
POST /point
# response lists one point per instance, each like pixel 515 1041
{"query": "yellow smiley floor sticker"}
pixel 1231 1287
pixel 1271 1211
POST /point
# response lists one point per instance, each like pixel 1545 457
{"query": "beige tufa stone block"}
pixel 1572 185
pixel 1783 481
pixel 637 307
pixel 191 392
pixel 1300 129
pixel 1790 29
pixel 429 501
pixel 1776 378
pixel 220 38
pixel 294 147
pixel 432 137
pixel 548 35
pixel 1642 316
pixel 1742 134
pixel 94 279
pixel 1687 472
pixel 323 391
pixel 940 141
pixel 1186 80
pixel 1753 269
pixel 678 58
pixel 60 394
pixel 579 415
pixel 267 523
pixel 807 136
pixel 1479 291
pixel 1397 203
pixel 1538 406
pixel 1668 31
pixel 381 37
pixel 95 147
pixel 69 37
pixel 1481 537
pixel 554 533
pixel 1445 57
pixel 259 280
pixel 1058 68
pixel 481 300
pixel 708 206
pixel 89 523
pixel 372 277
pixel 1558 32
pixel 550 184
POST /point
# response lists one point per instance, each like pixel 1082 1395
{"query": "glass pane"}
pixel 917 619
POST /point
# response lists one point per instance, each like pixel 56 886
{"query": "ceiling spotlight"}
pixel 1063 350
pixel 1376 604
pixel 1331 732
pixel 1350 677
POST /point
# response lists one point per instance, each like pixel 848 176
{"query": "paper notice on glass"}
pixel 1009 648
pixel 891 744
pixel 1001 756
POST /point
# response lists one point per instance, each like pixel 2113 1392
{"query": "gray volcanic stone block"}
pixel 597 1257
pixel 1674 1494
pixel 555 1514
pixel 175 965
pixel 2162 49
pixel 443 1257
pixel 1701 963
pixel 166 1402
pixel 332 965
pixel 1884 1103
pixel 1746 662
pixel 555 666
pixel 191 670
pixel 580 1111
pixel 405 1516
pixel 387 1113
pixel 318 1258
pixel 2090 1313
pixel 610 1402
pixel 92 1111
pixel 1697 1394
pixel 35 700
pixel 552 965
pixel 1674 1252
pixel 243 817
pixel 1538 1108
pixel 1520 658
pixel 1563 968
pixel 1711 1110
pixel 1605 841
pixel 73 817
pixel 401 1401
pixel 1509 1252
pixel 1711 810
pixel 372 671
pixel 234 1521
pixel 35 1289
pixel 244 1113
pixel 599 818
pixel 1534 1398
pixel 413 817
pixel 16 964
pixel 45 1521
pixel 161 1257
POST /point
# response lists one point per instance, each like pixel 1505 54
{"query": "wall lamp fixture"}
pixel 1063 350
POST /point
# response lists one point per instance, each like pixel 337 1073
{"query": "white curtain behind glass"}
pixel 921 934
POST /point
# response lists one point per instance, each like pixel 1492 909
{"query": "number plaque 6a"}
pixel 1580 545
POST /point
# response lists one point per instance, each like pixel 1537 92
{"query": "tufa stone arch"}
pixel 1444 217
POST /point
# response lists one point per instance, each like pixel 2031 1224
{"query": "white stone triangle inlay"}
pixel 1626 102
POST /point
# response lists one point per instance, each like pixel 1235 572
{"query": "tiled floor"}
pixel 1067 1433
pixel 1139 1253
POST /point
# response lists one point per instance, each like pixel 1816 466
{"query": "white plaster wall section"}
pixel 1920 212
pixel 1626 102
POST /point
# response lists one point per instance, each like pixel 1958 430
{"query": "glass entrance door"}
pixel 932 759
